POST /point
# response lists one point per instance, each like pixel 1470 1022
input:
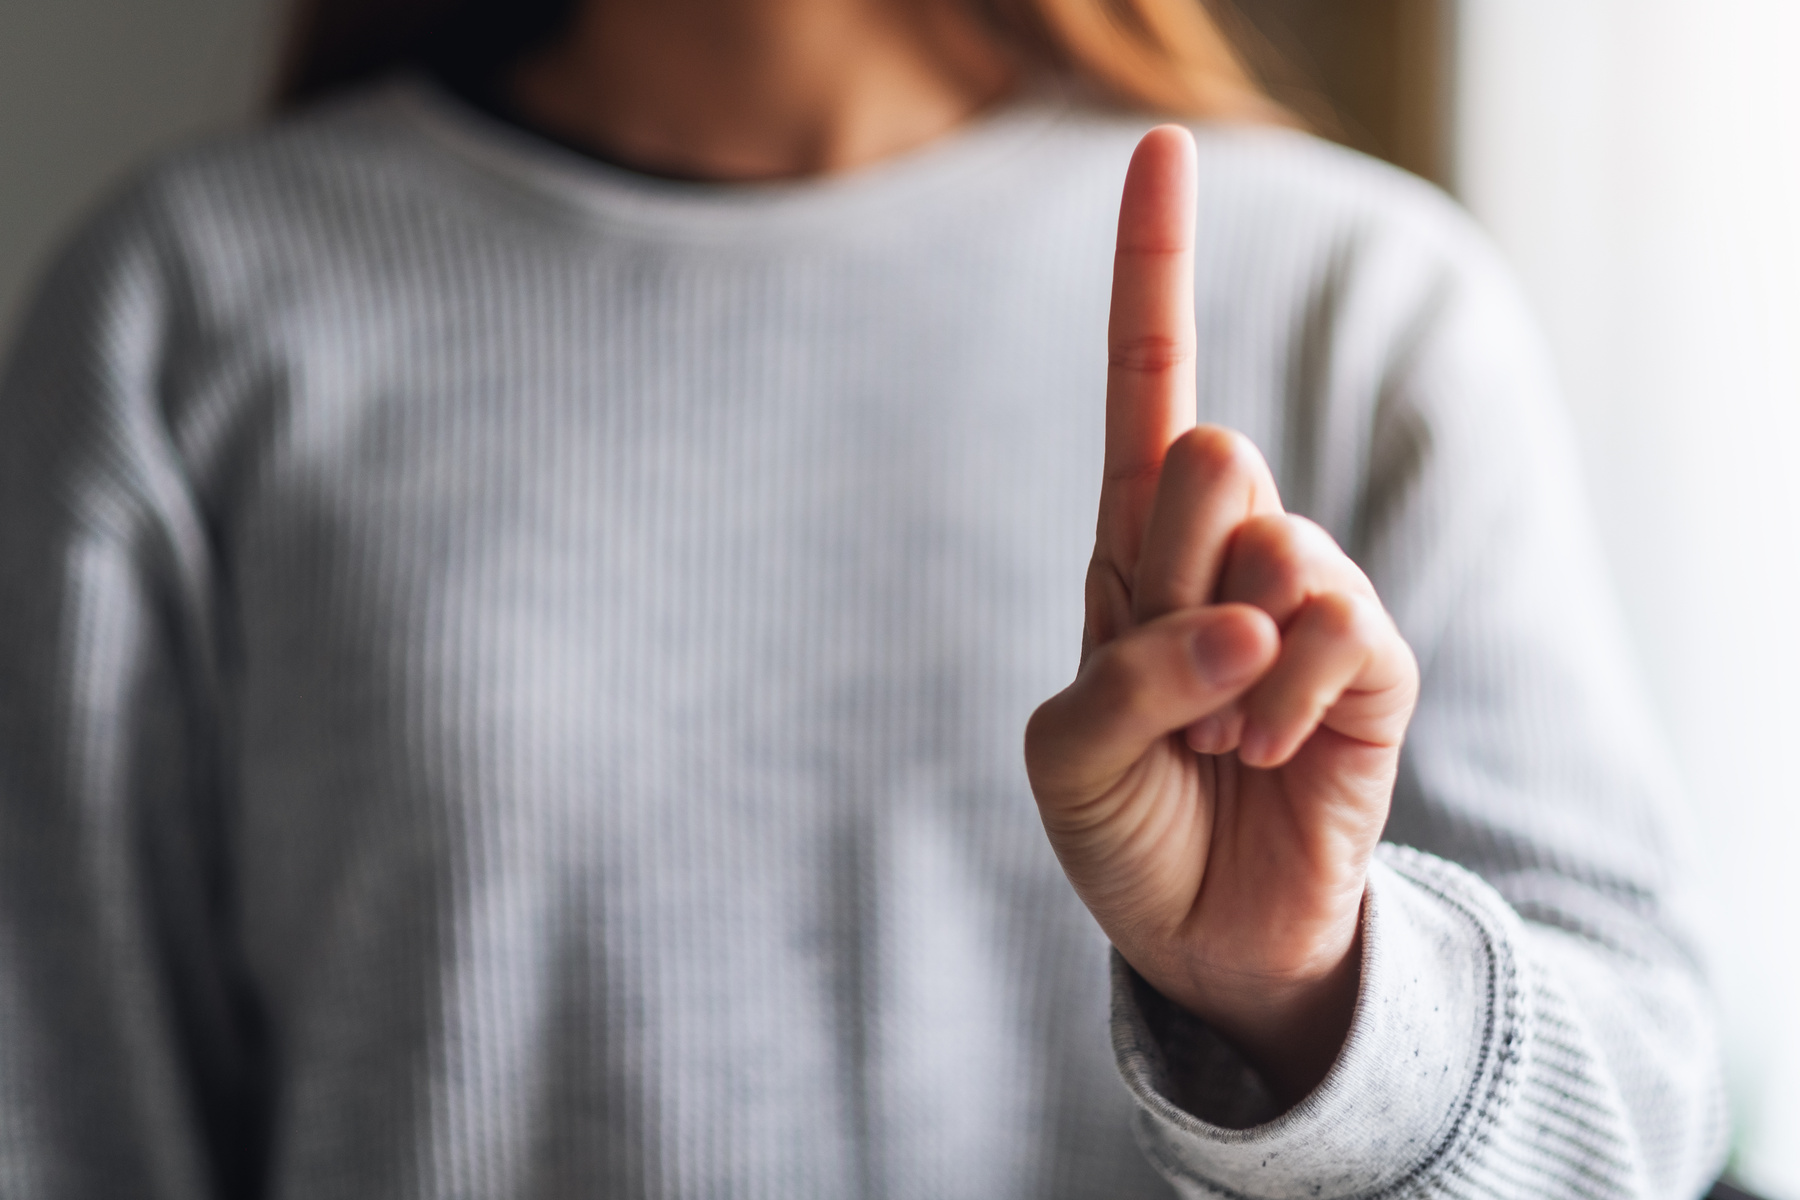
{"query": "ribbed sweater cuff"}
pixel 1430 1055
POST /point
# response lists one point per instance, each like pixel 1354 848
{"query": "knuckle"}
pixel 1268 561
pixel 1109 683
pixel 1309 531
pixel 1216 452
pixel 1140 245
pixel 1108 599
pixel 1151 354
pixel 1310 540
pixel 1268 537
pixel 1340 615
pixel 1147 471
pixel 1304 542
pixel 1288 559
pixel 1284 576
pixel 1315 541
pixel 1119 686
pixel 1103 583
pixel 1040 732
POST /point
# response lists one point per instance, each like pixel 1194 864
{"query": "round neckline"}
pixel 906 185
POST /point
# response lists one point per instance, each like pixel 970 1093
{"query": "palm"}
pixel 1217 776
pixel 1279 853
pixel 1250 869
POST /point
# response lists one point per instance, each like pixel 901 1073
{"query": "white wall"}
pixel 88 87
pixel 1640 162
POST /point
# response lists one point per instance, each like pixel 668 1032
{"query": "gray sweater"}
pixel 512 674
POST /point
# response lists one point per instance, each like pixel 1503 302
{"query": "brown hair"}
pixel 1162 56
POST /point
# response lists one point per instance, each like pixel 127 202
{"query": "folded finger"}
pixel 1141 686
pixel 1336 644
pixel 1279 561
pixel 1213 480
pixel 1217 733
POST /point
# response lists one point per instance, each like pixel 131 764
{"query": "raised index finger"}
pixel 1150 336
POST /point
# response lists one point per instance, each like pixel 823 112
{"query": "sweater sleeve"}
pixel 1532 1018
pixel 121 1060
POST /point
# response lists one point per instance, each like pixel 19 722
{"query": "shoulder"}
pixel 327 162
pixel 1268 190
pixel 228 258
pixel 329 193
pixel 1297 234
pixel 1374 263
pixel 1352 317
pixel 1293 178
pixel 1343 233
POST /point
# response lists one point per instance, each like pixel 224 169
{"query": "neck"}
pixel 760 89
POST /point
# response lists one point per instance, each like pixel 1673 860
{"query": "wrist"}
pixel 1294 1035
pixel 1290 1027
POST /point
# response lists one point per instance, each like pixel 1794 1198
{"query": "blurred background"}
pixel 1638 161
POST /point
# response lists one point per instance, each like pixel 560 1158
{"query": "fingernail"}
pixel 1225 657
pixel 1204 735
pixel 1253 746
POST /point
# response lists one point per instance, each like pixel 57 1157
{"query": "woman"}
pixel 525 579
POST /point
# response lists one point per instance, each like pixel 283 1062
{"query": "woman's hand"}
pixel 1217 776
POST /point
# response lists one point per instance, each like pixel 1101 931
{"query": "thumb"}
pixel 1141 686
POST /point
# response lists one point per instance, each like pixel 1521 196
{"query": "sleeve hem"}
pixel 1433 1047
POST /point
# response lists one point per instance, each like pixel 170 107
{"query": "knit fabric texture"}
pixel 512 678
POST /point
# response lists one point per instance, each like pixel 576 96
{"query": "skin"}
pixel 755 90
pixel 1217 776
